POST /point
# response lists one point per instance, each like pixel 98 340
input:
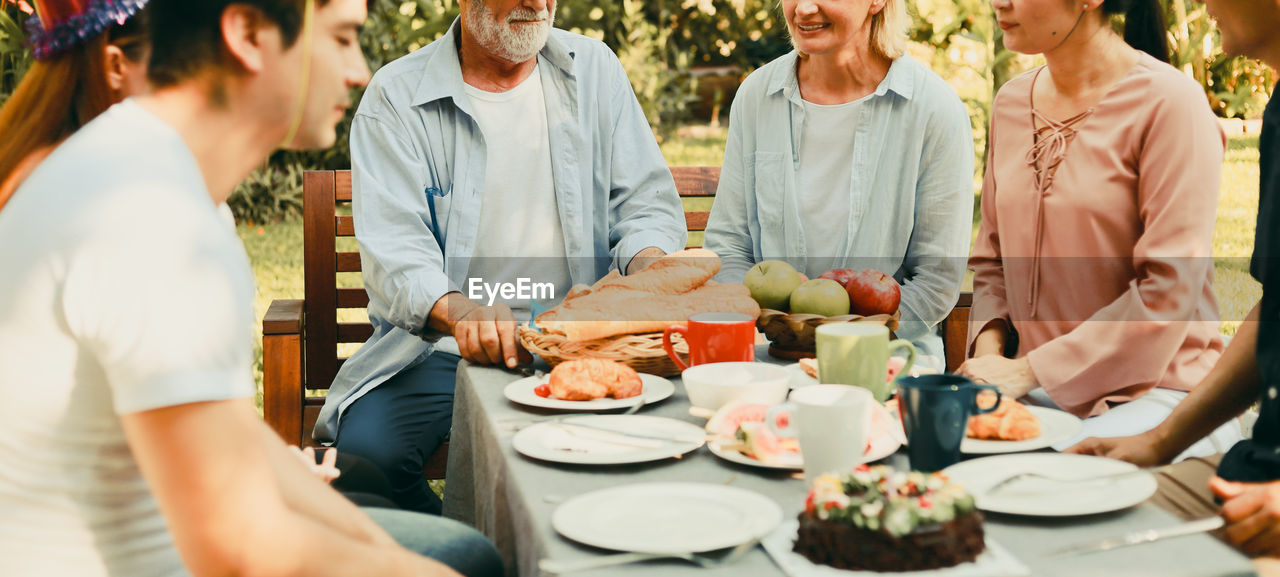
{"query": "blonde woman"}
pixel 846 153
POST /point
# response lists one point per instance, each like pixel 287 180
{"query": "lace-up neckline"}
pixel 1050 139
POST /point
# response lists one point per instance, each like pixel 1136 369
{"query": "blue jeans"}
pixel 399 423
pixel 445 540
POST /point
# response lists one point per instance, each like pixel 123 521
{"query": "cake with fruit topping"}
pixel 877 519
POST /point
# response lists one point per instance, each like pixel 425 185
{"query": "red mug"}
pixel 715 338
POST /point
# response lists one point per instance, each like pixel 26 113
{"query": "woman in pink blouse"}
pixel 1093 265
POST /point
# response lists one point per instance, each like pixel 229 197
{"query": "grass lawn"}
pixel 276 249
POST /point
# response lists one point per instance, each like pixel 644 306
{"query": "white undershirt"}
pixel 520 235
pixel 825 181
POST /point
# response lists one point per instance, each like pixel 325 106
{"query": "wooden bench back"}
pixel 324 191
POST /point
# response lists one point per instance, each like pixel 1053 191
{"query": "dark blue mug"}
pixel 935 411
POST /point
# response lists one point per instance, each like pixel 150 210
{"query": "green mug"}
pixel 858 354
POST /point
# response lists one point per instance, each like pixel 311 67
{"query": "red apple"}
pixel 840 275
pixel 872 292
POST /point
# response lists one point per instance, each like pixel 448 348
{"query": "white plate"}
pixel 1055 426
pixel 654 389
pixel 563 442
pixel 667 517
pixel 996 561
pixel 881 447
pixel 1043 498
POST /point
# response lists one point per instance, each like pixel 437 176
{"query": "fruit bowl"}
pixel 791 336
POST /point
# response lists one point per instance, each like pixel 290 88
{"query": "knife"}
pixel 1140 537
pixel 566 426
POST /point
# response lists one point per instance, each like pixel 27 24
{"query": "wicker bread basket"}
pixel 791 336
pixel 642 352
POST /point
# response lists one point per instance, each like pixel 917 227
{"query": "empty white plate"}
pixel 589 440
pixel 667 517
pixel 1045 498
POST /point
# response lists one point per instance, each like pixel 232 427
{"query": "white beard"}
pixel 514 44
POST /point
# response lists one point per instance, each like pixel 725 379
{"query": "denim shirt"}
pixel 911 212
pixel 414 136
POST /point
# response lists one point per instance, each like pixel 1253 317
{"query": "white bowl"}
pixel 712 385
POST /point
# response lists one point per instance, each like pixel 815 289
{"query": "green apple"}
pixel 771 283
pixel 820 296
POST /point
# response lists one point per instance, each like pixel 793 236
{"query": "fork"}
pixel 1005 483
pixel 704 560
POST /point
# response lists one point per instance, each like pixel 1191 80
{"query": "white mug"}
pixel 831 423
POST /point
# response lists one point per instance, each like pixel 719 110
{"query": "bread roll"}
pixel 611 312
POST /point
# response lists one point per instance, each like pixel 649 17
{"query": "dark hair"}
pixel 188 34
pixel 59 95
pixel 1143 25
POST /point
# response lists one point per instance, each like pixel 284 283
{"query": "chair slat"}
pixel 347 262
pixel 695 181
pixel 696 219
pixel 354 332
pixel 344 226
pixel 342 185
pixel 319 278
pixel 352 298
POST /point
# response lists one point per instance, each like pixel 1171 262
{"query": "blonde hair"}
pixel 888 30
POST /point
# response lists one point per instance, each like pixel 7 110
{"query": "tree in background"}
pixel 661 41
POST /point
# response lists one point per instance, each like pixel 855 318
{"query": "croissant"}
pixel 1011 421
pixel 587 379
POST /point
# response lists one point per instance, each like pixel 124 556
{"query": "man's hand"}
pixel 644 258
pixel 325 469
pixel 1013 376
pixel 1142 450
pixel 486 335
pixel 1252 512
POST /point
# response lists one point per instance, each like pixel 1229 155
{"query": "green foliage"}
pixel 15 59
pixel 1236 86
pixel 269 194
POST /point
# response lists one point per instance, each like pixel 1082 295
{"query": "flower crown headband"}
pixel 60 25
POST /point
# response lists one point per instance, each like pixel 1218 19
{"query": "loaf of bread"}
pixel 668 292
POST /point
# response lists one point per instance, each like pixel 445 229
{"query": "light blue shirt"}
pixel 911 196
pixel 415 131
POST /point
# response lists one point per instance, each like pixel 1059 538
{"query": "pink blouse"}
pixel 1106 276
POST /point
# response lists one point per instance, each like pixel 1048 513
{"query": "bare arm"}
pixel 1224 393
pixel 225 508
pixel 991 340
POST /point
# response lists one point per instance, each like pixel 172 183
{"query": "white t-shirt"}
pixel 520 234
pixel 124 290
pixel 825 178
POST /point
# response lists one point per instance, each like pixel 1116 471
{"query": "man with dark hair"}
pixel 129 437
pixel 1243 486
pixel 506 152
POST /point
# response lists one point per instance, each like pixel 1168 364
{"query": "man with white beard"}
pixel 508 153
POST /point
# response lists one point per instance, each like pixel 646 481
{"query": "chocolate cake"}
pixel 877 519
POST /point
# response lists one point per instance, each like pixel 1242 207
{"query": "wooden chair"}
pixel 300 338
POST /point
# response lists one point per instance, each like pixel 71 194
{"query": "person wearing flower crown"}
pixel 104 59
pixel 129 436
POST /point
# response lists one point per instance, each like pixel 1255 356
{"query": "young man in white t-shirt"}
pixel 128 434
